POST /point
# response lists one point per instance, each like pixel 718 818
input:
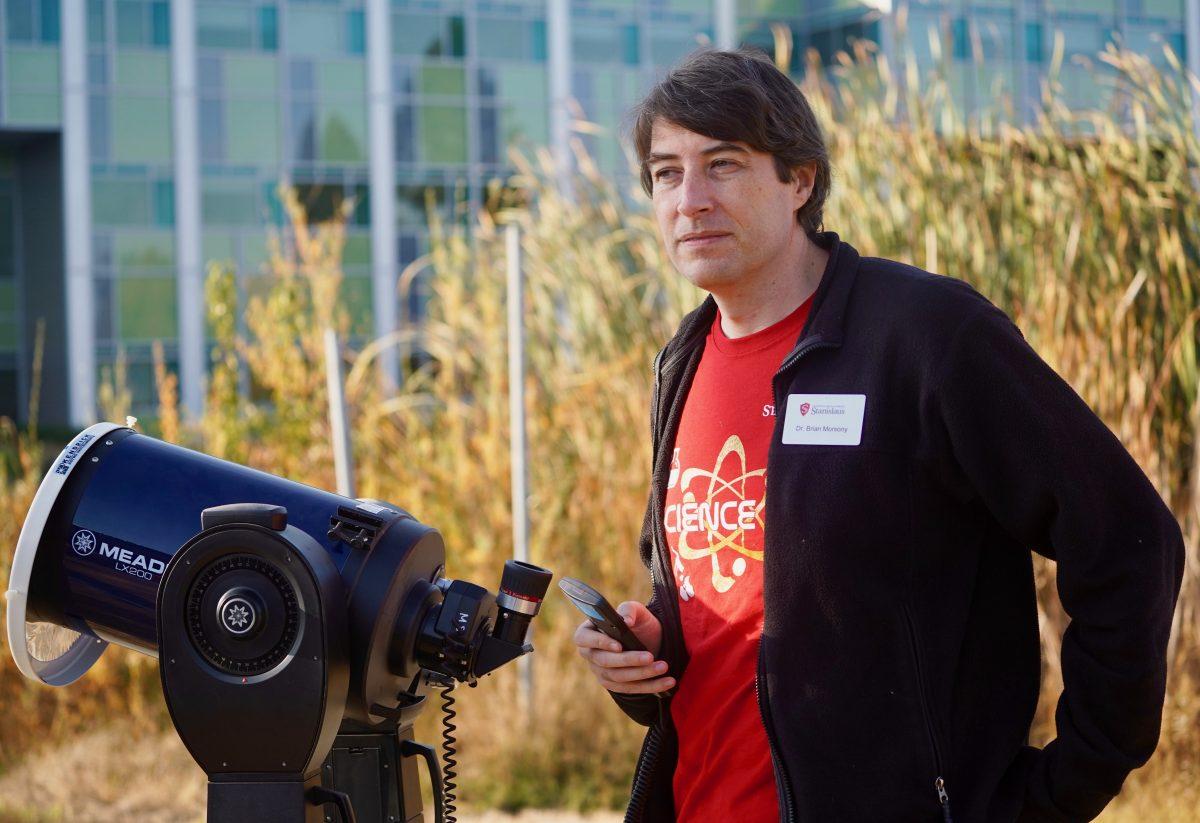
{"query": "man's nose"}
pixel 695 194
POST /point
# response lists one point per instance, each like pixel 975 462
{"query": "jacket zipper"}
pixel 939 784
pixel 760 691
pixel 764 714
pixel 648 757
pixel 782 781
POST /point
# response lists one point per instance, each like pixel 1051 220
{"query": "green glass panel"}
pixel 256 251
pixel 259 75
pixel 356 294
pixel 147 308
pixel 141 129
pixel 458 38
pixel 274 204
pixel 1105 7
pixel 217 247
pixel 268 28
pixel 604 87
pixel 503 39
pixel 8 296
pixel 97 31
pixel 443 80
pixel 228 203
pixel 313 31
pixel 341 77
pixel 8 334
pixel 356 32
pixel 630 49
pixel 1034 43
pixel 668 48
pixel 120 202
pixel 36 68
pixel 252 129
pixel 147 70
pixel 145 249
pixel 19 19
pixel 33 109
pixel 523 82
pixel 1163 8
pixel 524 122
pixel 444 134
pixel 343 131
pixel 537 33
pixel 164 203
pixel 358 250
pixel 419 34
pixel 595 43
pixel 132 25
pixel 224 27
pixel 160 24
pixel 50 22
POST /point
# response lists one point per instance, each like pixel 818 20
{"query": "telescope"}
pixel 299 633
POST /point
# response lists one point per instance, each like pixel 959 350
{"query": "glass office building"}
pixel 141 139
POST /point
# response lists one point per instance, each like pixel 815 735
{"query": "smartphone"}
pixel 603 616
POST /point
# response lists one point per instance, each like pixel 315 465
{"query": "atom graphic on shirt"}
pixel 720 530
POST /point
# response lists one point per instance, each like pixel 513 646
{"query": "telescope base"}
pixel 263 802
pixel 383 784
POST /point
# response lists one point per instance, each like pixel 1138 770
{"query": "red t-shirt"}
pixel 714 525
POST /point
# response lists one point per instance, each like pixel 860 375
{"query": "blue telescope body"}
pixel 135 507
pixel 116 506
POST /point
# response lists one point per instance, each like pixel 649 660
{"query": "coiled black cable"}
pixel 448 752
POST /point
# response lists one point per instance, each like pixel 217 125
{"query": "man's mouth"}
pixel 701 239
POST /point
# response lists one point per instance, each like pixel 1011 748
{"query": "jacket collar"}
pixel 825 321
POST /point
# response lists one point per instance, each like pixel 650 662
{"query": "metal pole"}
pixel 382 155
pixel 189 275
pixel 1191 21
pixel 343 458
pixel 726 24
pixel 77 215
pixel 516 416
pixel 558 48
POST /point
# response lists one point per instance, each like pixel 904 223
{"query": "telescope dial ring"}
pixel 242 615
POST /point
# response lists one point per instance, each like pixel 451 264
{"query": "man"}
pixel 852 461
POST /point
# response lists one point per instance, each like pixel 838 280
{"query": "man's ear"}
pixel 804 178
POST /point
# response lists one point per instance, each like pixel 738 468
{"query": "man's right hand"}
pixel 622 671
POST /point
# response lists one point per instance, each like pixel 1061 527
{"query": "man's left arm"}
pixel 1054 476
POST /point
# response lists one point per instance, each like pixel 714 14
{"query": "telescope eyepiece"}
pixel 523 582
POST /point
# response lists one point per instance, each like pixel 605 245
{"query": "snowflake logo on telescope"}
pixel 237 617
pixel 84 542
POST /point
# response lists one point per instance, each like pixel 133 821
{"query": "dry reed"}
pixel 1084 226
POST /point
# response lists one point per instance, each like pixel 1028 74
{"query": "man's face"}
pixel 722 211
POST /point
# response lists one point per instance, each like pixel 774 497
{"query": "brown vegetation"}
pixel 1085 227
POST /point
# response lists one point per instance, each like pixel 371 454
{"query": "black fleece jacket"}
pixel 899 665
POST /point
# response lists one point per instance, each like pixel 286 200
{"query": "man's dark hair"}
pixel 740 96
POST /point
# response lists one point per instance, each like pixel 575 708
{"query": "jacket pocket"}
pixel 938 785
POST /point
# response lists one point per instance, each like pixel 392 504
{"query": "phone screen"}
pixel 591 612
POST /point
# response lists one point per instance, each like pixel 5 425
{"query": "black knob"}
pixel 241 613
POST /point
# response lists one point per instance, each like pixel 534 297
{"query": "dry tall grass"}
pixel 1084 226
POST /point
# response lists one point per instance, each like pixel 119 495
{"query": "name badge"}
pixel 824 419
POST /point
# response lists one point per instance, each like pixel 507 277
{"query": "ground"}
pixel 120 775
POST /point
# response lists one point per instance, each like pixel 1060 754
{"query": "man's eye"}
pixel 663 174
pixel 718 164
